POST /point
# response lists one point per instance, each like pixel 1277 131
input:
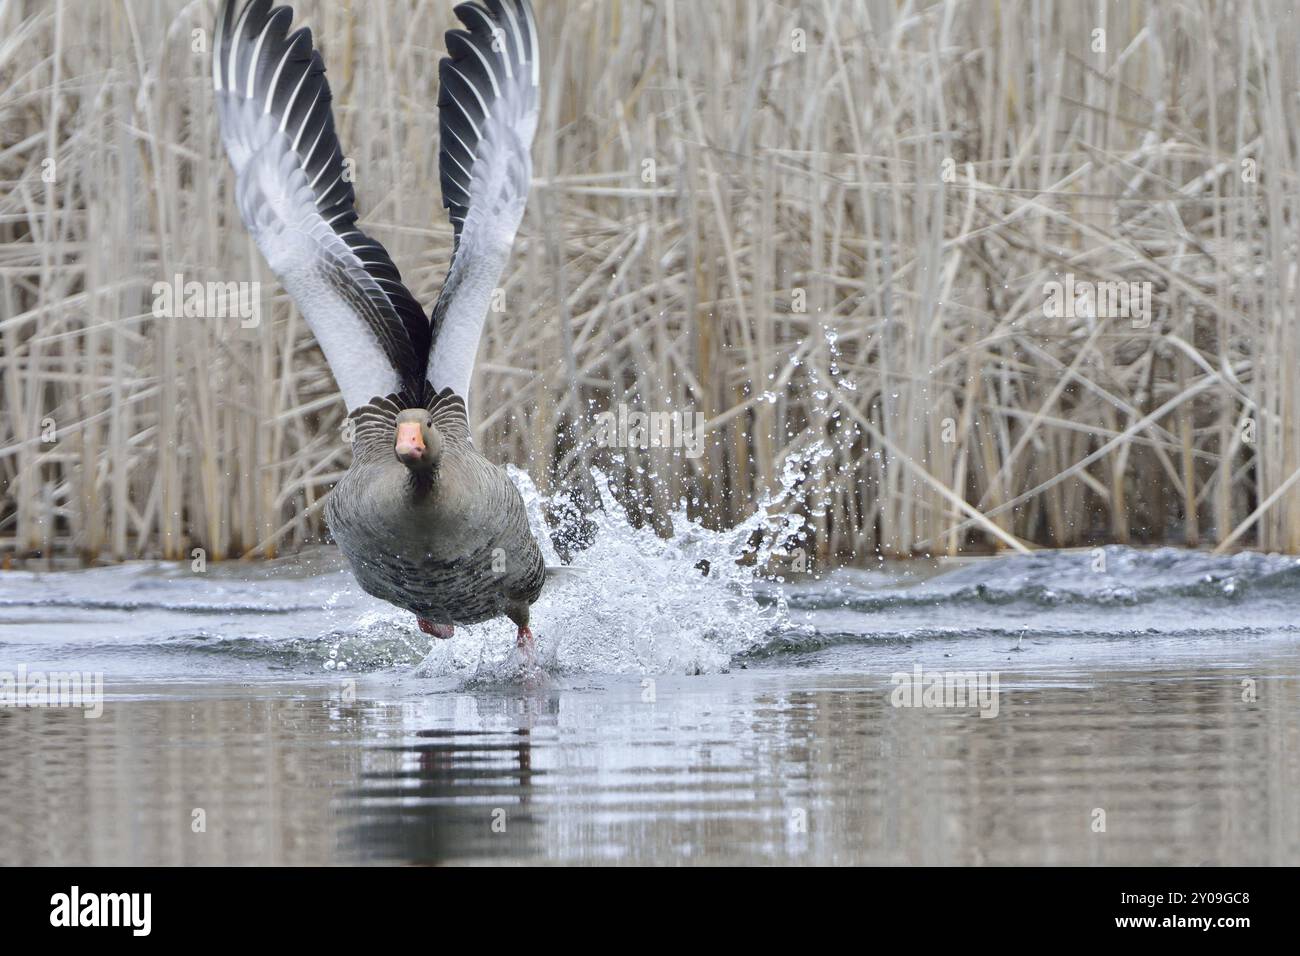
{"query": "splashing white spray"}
pixel 634 602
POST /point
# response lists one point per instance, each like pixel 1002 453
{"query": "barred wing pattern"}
pixel 295 198
pixel 487 109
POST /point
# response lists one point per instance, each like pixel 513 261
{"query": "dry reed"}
pixel 822 221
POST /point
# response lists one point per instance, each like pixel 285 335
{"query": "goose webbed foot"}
pixel 525 637
pixel 441 631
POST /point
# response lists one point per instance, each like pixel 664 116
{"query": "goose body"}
pixel 425 521
pixel 454 550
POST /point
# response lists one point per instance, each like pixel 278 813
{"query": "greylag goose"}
pixel 424 520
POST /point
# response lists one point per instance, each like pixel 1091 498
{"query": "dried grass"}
pixel 957 415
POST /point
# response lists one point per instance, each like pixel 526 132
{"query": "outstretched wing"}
pixel 487 110
pixel 295 196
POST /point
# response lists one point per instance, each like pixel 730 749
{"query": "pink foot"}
pixel 442 631
pixel 525 638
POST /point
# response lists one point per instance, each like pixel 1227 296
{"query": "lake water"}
pixel 1146 710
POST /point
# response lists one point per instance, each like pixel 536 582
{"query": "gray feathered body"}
pixel 457 550
pixel 454 548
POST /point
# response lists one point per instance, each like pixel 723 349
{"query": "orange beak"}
pixel 410 446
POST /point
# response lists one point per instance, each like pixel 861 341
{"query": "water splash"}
pixel 635 602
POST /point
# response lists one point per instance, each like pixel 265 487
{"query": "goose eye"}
pixel 429 423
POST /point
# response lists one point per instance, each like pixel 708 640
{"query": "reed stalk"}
pixel 824 221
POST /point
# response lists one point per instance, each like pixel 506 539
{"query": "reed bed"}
pixel 829 222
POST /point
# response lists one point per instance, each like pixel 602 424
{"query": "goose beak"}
pixel 410 445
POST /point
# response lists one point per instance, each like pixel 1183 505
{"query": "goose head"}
pixel 418 444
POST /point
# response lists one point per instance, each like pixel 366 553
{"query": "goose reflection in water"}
pixel 450 795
